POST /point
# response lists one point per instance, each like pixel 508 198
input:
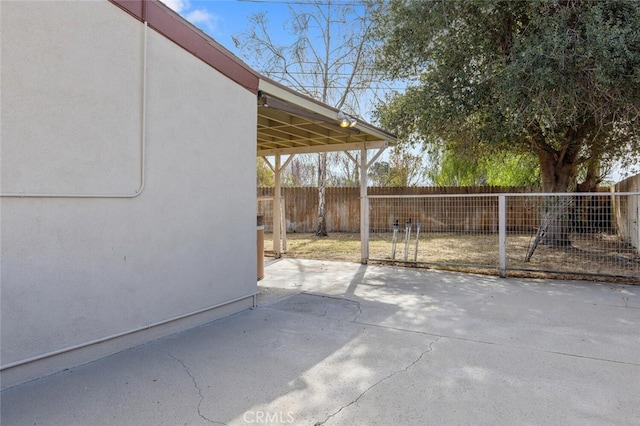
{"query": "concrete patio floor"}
pixel 347 344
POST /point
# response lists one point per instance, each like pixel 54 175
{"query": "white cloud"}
pixel 177 5
pixel 203 18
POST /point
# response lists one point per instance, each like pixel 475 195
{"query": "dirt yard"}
pixel 592 256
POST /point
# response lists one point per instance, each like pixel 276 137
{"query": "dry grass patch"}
pixel 590 256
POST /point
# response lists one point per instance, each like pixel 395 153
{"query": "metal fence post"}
pixel 502 234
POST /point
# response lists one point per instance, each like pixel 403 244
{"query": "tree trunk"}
pixel 593 178
pixel 322 180
pixel 557 172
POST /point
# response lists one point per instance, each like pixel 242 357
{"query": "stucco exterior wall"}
pixel 111 256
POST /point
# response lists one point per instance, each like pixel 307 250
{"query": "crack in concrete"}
pixel 355 319
pixel 384 379
pixel 506 345
pixel 344 299
pixel 195 384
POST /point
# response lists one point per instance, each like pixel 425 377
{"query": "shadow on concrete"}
pixel 340 343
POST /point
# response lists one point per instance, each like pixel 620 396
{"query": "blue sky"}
pixel 221 19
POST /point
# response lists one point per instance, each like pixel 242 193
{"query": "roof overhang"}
pixel 291 123
pixel 288 122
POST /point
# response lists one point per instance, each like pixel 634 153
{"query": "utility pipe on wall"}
pixel 126 333
pixel 142 145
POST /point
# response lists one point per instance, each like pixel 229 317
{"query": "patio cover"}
pixel 290 123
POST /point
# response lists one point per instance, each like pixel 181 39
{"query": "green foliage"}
pixel 502 169
pixel 558 79
pixel 379 174
pixel 263 173
pixel 404 169
pixel 511 169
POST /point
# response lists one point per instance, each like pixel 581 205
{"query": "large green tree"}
pixel 556 78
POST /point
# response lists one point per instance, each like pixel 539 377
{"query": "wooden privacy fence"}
pixel 626 211
pixel 342 209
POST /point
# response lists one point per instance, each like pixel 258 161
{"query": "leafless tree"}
pixel 329 57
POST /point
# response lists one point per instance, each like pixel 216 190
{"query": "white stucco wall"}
pixel 75 270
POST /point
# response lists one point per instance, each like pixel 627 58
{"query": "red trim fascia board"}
pixel 133 7
pixel 175 28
